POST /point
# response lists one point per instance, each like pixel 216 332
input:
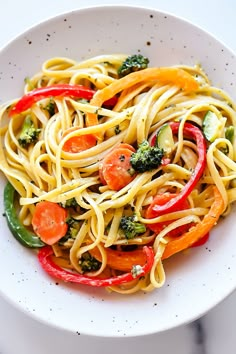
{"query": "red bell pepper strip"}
pixel 196 134
pixel 65 90
pixel 202 240
pixel 57 272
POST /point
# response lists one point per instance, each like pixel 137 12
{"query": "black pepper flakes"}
pixel 122 158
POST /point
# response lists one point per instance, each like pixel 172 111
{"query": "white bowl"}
pixel 196 282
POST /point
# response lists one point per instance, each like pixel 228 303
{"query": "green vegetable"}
pixel 29 133
pixel 73 228
pixel 133 63
pixel 24 236
pixel 71 203
pixel 88 263
pixel 212 126
pixel 50 107
pixel 147 157
pixel 117 129
pixel 131 226
pixel 229 133
pixel 165 139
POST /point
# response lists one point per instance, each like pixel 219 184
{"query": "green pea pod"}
pixel 24 236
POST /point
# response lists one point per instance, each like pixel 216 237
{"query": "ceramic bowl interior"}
pixel 196 280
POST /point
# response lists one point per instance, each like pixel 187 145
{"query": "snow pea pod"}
pixel 24 236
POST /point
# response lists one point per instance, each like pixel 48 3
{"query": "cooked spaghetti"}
pixel 122 170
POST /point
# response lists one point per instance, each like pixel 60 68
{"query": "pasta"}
pixel 77 184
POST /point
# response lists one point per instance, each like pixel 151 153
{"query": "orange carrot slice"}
pixel 115 169
pixel 78 143
pixel 49 222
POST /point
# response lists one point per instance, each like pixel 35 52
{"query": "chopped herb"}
pixel 117 130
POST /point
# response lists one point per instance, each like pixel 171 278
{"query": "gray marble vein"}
pixel 199 337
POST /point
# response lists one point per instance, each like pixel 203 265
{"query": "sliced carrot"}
pixel 49 222
pixel 115 169
pixel 78 143
pixel 165 75
pixel 161 199
pixel 126 146
pixel 121 260
pixel 121 145
pixel 198 231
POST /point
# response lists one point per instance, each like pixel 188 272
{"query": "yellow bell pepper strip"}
pixel 197 232
pixel 137 271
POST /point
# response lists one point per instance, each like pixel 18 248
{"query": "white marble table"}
pixel 212 334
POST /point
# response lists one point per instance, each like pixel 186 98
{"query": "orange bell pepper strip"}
pixel 121 260
pixel 197 232
pixel 165 75
pixel 124 261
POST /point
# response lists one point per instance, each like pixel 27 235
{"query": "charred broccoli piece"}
pixel 29 133
pixel 50 107
pixel 147 157
pixel 71 203
pixel 133 63
pixel 88 263
pixel 73 227
pixel 131 226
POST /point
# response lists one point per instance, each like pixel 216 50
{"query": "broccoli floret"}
pixel 147 157
pixel 29 133
pixel 133 63
pixel 88 263
pixel 73 227
pixel 72 231
pixel 71 203
pixel 50 107
pixel 131 226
